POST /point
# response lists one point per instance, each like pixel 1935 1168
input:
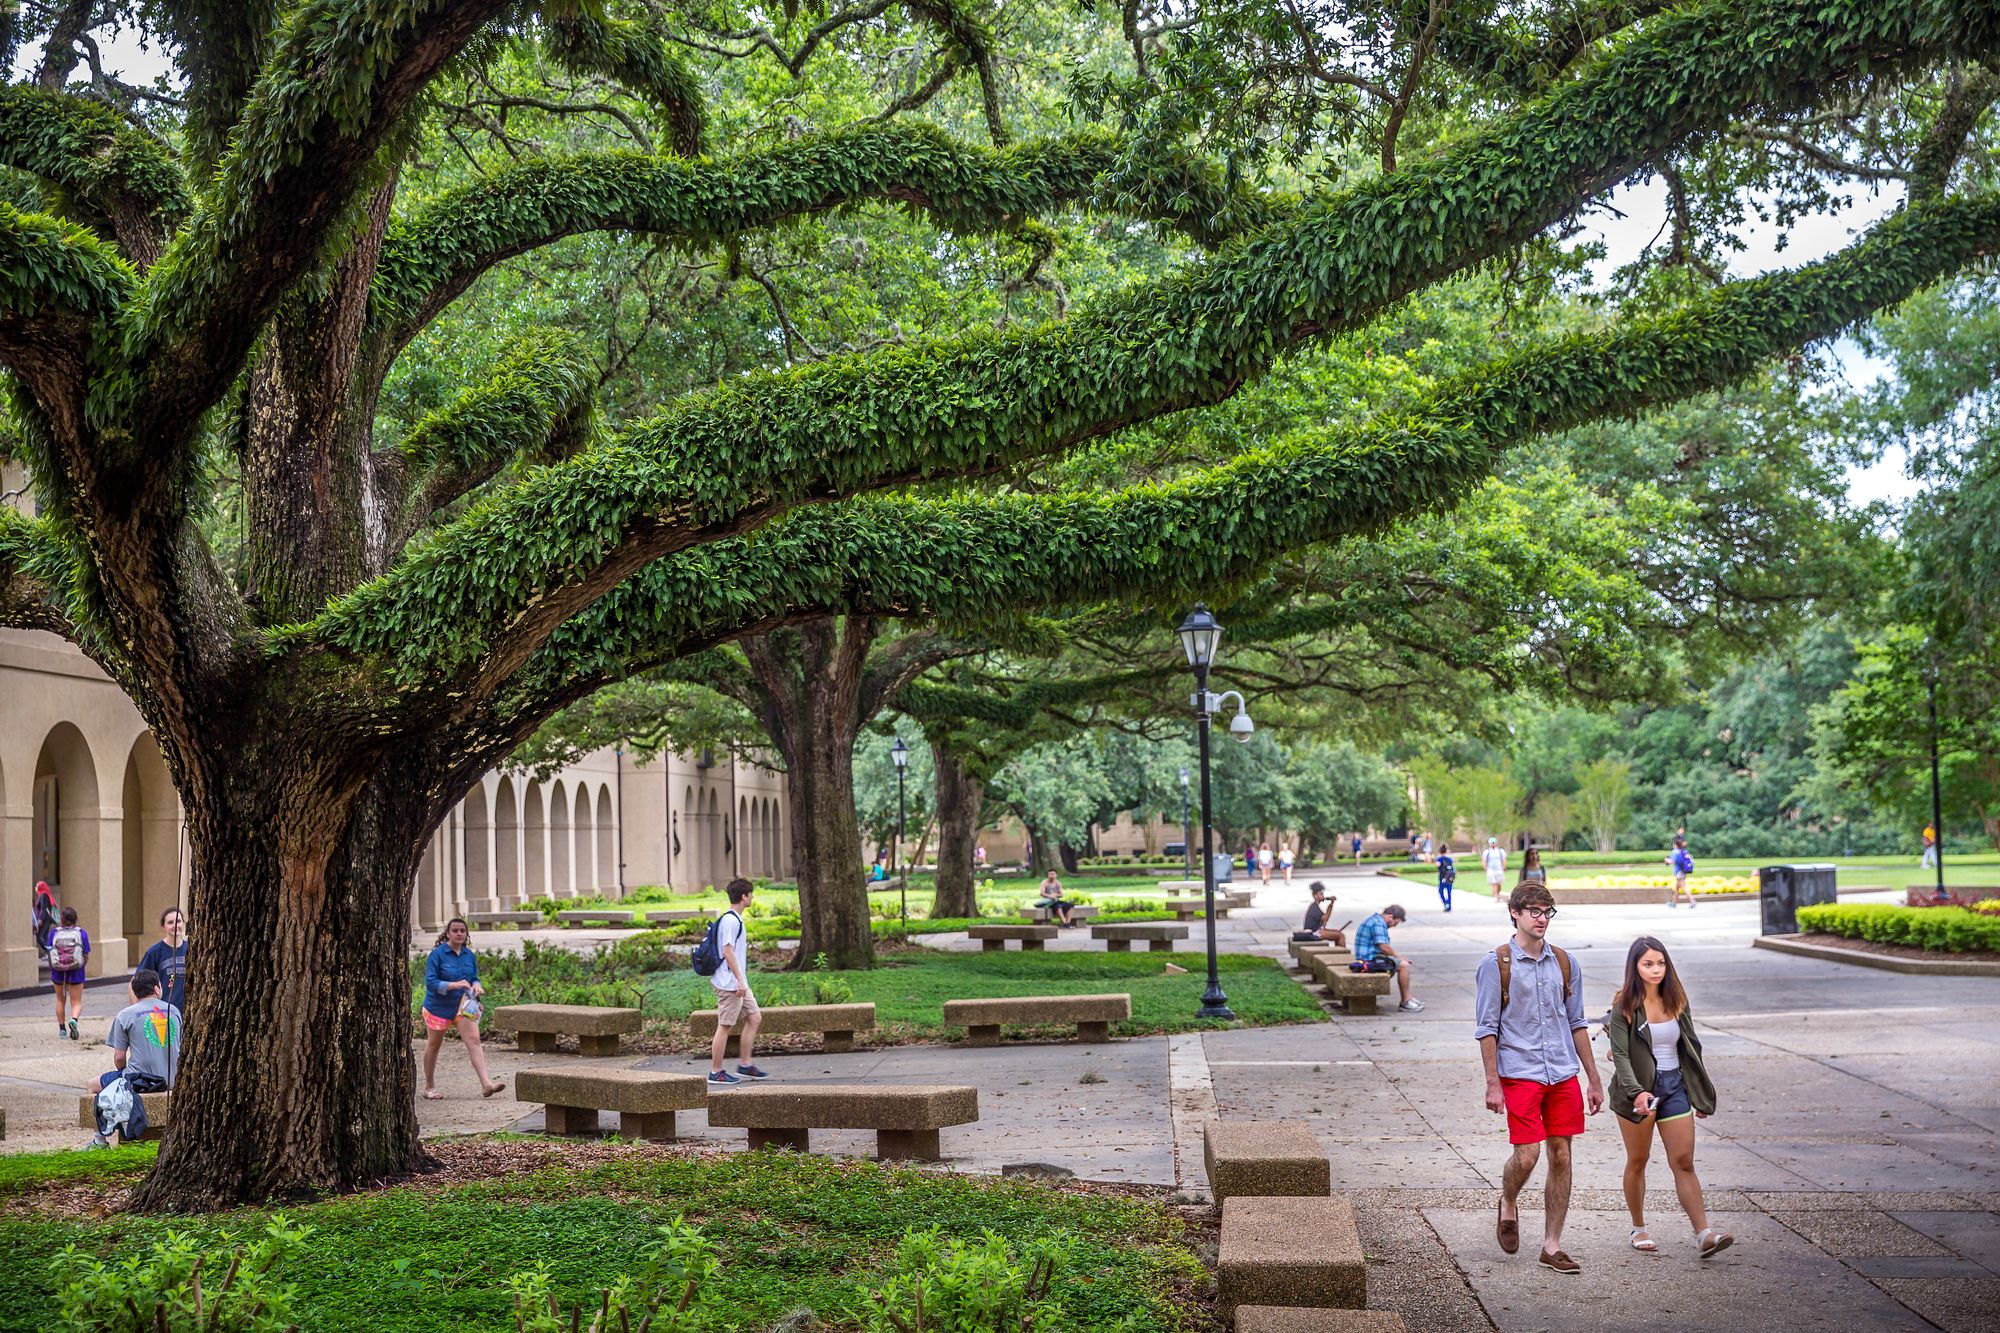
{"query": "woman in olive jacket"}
pixel 1657 1079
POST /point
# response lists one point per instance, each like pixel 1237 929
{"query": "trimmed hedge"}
pixel 1946 929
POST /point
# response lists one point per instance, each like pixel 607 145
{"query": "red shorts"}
pixel 1537 1111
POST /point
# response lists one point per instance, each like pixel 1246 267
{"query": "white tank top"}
pixel 1666 1039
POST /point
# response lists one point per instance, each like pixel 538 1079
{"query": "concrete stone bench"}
pixel 1092 1014
pixel 158 1106
pixel 1356 992
pixel 1184 908
pixel 644 1099
pixel 1299 949
pixel 1239 897
pixel 906 1118
pixel 1176 887
pixel 994 938
pixel 536 1026
pixel 1277 1319
pixel 836 1023
pixel 1119 937
pixel 1083 913
pixel 675 914
pixel 890 884
pixel 1290 1252
pixel 594 916
pixel 1325 964
pixel 501 920
pixel 1262 1157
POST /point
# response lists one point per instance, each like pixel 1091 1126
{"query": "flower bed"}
pixel 1940 929
pixel 1662 882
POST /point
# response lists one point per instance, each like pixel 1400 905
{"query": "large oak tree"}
pixel 406 609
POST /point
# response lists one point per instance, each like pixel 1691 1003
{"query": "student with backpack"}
pixel 145 1046
pixel 1681 862
pixel 1534 1040
pixel 69 946
pixel 45 916
pixel 1447 874
pixel 720 957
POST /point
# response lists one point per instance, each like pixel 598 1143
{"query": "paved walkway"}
pixel 1853 1155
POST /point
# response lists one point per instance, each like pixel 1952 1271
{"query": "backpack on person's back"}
pixel 707 956
pixel 66 949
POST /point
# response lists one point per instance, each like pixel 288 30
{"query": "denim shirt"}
pixel 441 969
pixel 1534 1034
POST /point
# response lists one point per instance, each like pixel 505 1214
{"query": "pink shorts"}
pixel 433 1023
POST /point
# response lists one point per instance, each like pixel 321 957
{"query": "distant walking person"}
pixel 451 1000
pixel 167 958
pixel 1494 858
pixel 1285 861
pixel 1533 1040
pixel 1658 1080
pixel 45 915
pixel 1447 874
pixel 1264 860
pixel 69 947
pixel 1531 867
pixel 1930 846
pixel 735 1006
pixel 1682 864
pixel 1357 849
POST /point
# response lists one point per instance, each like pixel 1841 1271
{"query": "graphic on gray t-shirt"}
pixel 149 1033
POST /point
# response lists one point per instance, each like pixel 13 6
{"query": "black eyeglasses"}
pixel 1540 913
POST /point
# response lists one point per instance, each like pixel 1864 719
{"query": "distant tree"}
pixel 1603 790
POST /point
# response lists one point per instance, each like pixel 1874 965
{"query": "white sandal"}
pixel 1712 1241
pixel 1642 1241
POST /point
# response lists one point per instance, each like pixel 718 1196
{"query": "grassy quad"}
pixel 1896 872
pixel 790 1232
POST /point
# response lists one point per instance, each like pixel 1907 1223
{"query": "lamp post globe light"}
pixel 901 754
pixel 1201 637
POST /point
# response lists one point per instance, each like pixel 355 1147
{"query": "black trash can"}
pixel 1225 867
pixel 1785 889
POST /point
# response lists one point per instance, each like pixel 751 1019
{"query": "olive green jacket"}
pixel 1632 1067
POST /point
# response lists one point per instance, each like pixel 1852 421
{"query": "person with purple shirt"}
pixel 69 946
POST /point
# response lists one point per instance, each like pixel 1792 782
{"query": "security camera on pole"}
pixel 1201 636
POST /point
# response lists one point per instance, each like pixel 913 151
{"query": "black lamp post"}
pixel 1937 789
pixel 901 754
pixel 1201 636
pixel 1187 830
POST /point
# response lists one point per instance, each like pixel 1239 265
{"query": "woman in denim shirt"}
pixel 451 999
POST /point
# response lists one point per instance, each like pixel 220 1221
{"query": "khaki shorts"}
pixel 733 1006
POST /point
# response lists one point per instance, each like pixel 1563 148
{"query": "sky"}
pixel 1640 212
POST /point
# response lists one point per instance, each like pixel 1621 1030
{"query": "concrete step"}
pixel 1291 1252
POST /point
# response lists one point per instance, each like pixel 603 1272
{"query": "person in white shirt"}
pixel 735 1006
pixel 1494 858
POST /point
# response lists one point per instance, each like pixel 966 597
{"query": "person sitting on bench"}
pixel 1053 901
pixel 1316 926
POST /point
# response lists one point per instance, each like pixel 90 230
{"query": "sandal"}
pixel 1713 1242
pixel 433 1095
pixel 501 1086
pixel 1641 1241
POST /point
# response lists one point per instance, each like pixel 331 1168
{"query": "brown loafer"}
pixel 1508 1232
pixel 1561 1262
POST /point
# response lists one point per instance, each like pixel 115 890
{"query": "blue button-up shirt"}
pixel 1369 939
pixel 1534 1034
pixel 441 969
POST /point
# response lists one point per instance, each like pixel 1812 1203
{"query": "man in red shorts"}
pixel 1534 1039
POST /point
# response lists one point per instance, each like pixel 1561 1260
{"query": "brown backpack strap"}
pixel 1505 958
pixel 1562 961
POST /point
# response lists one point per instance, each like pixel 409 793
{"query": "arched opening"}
pixel 151 843
pixel 687 861
pixel 583 842
pixel 534 834
pixel 477 825
pixel 771 839
pixel 562 882
pixel 506 844
pixel 65 828
pixel 607 844
pixel 746 844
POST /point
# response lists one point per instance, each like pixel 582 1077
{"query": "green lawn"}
pixel 909 989
pixel 1897 872
pixel 791 1231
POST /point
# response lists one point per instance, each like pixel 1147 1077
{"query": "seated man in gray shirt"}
pixel 145 1039
pixel 1533 1040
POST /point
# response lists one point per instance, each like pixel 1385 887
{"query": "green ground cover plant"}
pixel 909 989
pixel 787 1232
pixel 1944 929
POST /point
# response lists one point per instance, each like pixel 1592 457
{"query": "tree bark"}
pixel 1068 855
pixel 959 799
pixel 297 1071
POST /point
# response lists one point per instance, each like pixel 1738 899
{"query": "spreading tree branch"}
pixel 57 281
pixel 117 177
pixel 1502 53
pixel 1970 93
pixel 35 569
pixel 903 557
pixel 634 53
pixel 725 461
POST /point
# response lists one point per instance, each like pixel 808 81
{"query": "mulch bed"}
pixel 1896 950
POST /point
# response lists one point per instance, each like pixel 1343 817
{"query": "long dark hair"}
pixel 444 936
pixel 1631 997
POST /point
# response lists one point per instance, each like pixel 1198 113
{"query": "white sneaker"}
pixel 1411 1006
pixel 99 1141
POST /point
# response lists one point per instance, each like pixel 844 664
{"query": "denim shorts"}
pixel 1670 1097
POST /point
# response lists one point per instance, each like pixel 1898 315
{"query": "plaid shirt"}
pixel 1369 937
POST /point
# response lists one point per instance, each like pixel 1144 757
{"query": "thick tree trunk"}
pixel 833 897
pixel 959 798
pixel 296 1073
pixel 1068 854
